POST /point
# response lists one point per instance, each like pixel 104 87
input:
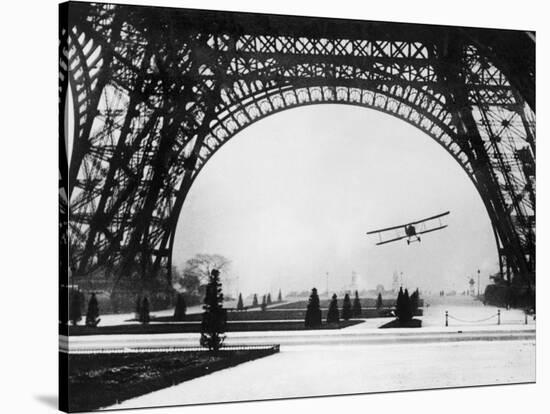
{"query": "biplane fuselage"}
pixel 410 231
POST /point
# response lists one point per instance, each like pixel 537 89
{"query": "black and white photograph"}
pixel 273 206
pixel 258 206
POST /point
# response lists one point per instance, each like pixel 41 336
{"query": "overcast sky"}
pixel 290 198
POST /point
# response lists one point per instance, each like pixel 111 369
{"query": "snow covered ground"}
pixel 463 311
pixel 299 371
pixel 463 308
pixel 472 350
pixel 466 311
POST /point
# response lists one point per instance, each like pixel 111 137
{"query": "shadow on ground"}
pixel 48 400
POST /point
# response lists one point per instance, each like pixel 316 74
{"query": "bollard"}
pixel 525 317
pixel 446 318
pixel 498 314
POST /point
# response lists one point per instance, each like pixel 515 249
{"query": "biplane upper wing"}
pixel 430 218
pixel 430 230
pixel 400 234
pixel 406 224
pixel 386 229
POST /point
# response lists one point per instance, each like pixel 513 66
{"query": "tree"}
pixel 346 308
pixel 414 301
pixel 379 301
pixel 190 284
pixel 137 313
pixel 269 298
pixel 356 306
pixel 407 306
pixel 75 311
pixel 264 303
pixel 92 315
pixel 403 306
pixel 214 317
pixel 194 277
pixel 201 266
pixel 181 308
pixel 279 296
pixel 399 305
pixel 313 312
pixel 333 315
pixel 240 304
pixel 255 300
pixel 144 316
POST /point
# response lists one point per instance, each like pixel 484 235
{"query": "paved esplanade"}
pixel 358 359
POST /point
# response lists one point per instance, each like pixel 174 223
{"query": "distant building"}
pixel 396 283
pixel 353 286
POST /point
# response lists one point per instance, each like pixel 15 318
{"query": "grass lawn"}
pixel 102 380
pixel 194 327
pixel 276 314
pixel 414 323
pixel 324 303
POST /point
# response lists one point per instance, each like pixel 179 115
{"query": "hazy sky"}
pixel 291 197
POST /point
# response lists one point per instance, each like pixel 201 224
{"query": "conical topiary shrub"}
pixel 75 311
pixel 214 318
pixel 313 312
pixel 138 308
pixel 92 315
pixel 181 308
pixel 333 315
pixel 346 308
pixel 400 306
pixel 415 298
pixel 356 309
pixel 379 301
pixel 408 315
pixel 144 316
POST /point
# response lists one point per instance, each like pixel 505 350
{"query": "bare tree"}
pixel 201 266
pixel 194 277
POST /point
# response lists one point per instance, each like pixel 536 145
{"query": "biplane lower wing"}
pixel 392 240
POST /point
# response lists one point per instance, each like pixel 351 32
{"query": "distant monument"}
pixel 353 286
pixel 395 282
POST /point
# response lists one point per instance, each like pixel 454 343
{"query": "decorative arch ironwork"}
pixel 157 91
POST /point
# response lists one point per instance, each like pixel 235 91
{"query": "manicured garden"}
pixel 102 380
pixel 324 303
pixel 195 327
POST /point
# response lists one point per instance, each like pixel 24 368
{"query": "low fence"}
pixel 497 318
pixel 273 348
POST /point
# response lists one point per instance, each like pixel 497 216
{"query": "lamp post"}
pixel 478 282
pixel 327 284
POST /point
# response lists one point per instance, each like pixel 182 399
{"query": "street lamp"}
pixel 478 282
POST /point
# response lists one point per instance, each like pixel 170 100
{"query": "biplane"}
pixel 411 231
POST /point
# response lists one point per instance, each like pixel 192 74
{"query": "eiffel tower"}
pixel 147 95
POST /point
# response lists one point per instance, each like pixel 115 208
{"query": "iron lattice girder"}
pixel 156 93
